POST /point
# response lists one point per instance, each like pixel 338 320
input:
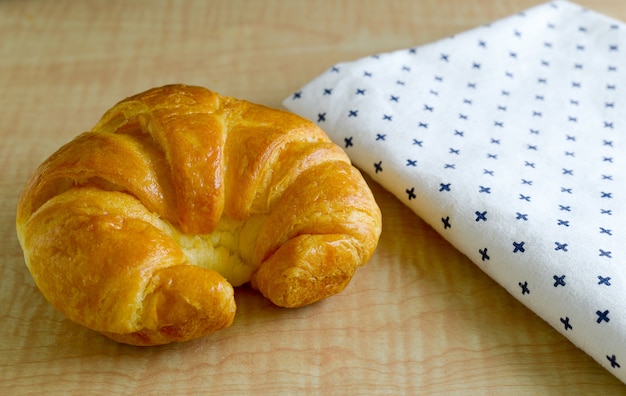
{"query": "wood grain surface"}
pixel 420 318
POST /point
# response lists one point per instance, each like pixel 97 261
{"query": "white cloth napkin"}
pixel 509 139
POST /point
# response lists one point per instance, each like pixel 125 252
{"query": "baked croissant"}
pixel 140 228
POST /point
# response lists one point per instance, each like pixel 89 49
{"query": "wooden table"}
pixel 419 318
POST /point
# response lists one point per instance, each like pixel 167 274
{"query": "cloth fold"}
pixel 509 140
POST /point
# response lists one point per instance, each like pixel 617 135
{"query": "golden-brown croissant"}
pixel 140 228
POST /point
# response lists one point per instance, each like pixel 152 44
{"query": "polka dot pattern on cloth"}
pixel 509 140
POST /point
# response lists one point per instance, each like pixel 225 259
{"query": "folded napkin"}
pixel 509 140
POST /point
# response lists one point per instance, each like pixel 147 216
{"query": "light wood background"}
pixel 420 318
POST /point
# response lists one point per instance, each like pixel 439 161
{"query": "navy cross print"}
pixel 507 137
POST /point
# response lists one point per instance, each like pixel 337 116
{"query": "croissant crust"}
pixel 140 228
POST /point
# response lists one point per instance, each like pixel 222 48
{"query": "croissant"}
pixel 140 228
